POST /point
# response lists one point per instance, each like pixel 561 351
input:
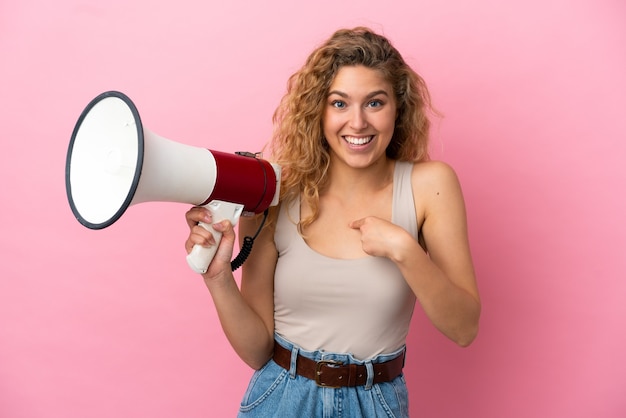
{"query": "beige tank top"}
pixel 359 306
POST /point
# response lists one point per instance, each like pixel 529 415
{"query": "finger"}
pixel 199 236
pixel 198 214
pixel 189 244
pixel 225 250
pixel 225 227
pixel 357 224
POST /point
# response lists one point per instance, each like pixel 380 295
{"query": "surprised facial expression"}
pixel 359 116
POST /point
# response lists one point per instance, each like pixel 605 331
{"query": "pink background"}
pixel 113 323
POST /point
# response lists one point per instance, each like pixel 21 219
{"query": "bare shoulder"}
pixel 433 173
pixel 435 179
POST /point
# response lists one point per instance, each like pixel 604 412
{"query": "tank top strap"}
pixel 403 213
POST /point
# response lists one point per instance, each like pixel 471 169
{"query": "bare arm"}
pixel 443 280
pixel 246 315
pixel 442 277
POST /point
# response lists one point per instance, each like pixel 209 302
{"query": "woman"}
pixel 366 227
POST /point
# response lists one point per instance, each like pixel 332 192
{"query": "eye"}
pixel 338 104
pixel 375 103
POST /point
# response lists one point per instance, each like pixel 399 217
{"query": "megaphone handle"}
pixel 200 257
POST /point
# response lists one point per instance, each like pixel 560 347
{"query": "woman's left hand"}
pixel 381 238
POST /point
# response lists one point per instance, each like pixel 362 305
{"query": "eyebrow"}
pixel 369 96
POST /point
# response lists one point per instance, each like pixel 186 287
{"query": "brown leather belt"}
pixel 334 374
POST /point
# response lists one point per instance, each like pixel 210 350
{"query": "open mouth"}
pixel 358 140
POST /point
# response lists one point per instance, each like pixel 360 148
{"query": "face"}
pixel 359 116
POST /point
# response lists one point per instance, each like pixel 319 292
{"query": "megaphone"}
pixel 113 162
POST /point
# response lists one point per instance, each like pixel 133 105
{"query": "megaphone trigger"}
pixel 200 257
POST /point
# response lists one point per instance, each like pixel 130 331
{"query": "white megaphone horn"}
pixel 113 163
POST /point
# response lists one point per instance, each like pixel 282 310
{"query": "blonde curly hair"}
pixel 298 144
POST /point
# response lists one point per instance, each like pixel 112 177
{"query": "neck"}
pixel 345 179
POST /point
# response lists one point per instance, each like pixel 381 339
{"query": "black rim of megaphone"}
pixel 140 153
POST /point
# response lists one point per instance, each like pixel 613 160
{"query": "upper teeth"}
pixel 358 141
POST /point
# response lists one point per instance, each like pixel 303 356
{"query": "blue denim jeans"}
pixel 276 392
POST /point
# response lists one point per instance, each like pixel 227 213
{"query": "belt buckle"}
pixel 318 371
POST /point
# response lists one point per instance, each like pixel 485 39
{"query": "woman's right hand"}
pixel 198 235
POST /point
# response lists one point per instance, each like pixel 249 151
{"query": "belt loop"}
pixel 370 375
pixel 293 362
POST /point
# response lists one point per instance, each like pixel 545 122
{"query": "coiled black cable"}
pixel 246 247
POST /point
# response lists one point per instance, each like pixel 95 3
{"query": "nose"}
pixel 358 119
